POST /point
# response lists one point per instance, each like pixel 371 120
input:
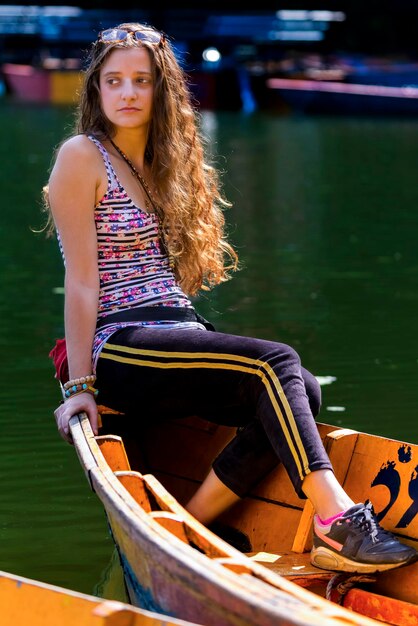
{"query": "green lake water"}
pixel 325 220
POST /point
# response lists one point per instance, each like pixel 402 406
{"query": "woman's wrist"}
pixel 76 390
pixel 88 379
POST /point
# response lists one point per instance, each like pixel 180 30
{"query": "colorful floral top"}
pixel 133 267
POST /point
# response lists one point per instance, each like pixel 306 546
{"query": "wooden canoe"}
pixel 26 602
pixel 174 565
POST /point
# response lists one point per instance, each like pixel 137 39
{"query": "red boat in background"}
pixel 56 82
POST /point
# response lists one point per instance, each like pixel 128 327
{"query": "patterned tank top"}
pixel 134 269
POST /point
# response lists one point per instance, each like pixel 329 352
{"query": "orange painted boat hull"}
pixel 29 602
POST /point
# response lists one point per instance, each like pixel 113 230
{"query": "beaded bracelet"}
pixel 91 378
pixel 76 389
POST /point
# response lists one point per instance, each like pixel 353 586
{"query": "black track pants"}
pixel 254 384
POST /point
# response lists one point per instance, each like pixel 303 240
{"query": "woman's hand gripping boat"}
pixel 174 565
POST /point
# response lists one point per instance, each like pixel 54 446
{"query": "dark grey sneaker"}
pixel 356 542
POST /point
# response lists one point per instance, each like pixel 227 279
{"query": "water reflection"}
pixel 324 219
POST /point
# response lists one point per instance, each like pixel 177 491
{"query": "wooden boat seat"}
pixel 296 567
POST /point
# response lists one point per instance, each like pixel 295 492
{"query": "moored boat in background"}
pixel 343 84
pixel 57 84
pixel 334 97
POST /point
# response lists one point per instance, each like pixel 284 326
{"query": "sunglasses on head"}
pixel 118 35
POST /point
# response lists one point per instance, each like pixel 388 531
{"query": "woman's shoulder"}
pixel 78 155
pixel 78 146
pixel 76 176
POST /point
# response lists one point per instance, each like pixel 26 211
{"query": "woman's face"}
pixel 126 87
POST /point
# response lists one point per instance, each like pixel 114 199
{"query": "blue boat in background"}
pixel 359 87
pixel 331 97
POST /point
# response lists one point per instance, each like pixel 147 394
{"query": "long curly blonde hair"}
pixel 189 189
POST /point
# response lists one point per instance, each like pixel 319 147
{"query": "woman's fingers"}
pixel 92 414
pixel 93 419
pixel 62 418
pixel 77 404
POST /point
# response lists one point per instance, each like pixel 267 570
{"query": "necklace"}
pixel 150 202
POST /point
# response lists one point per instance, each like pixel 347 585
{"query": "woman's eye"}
pixel 112 81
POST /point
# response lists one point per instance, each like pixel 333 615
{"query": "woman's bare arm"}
pixel 73 186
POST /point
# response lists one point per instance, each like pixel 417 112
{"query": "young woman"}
pixel 138 213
